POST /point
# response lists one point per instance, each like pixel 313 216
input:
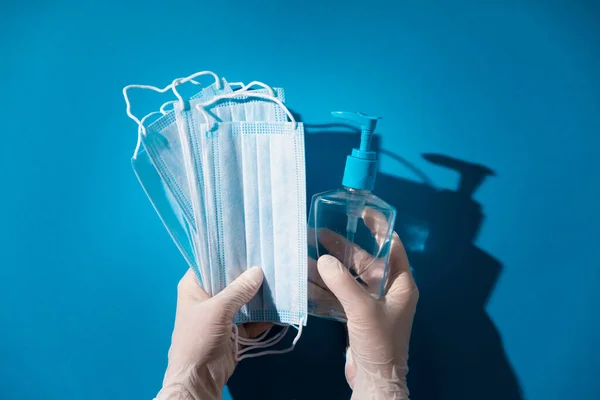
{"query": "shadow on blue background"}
pixel 88 273
pixel 456 352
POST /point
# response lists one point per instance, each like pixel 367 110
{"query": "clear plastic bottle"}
pixel 351 224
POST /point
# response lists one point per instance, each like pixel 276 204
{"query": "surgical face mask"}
pixel 165 205
pixel 161 140
pixel 272 304
pixel 156 179
pixel 247 183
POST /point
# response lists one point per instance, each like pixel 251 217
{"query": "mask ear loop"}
pixel 239 356
pixel 179 81
pixel 244 87
pixel 171 86
pixel 244 91
pixel 270 342
pixel 249 86
pixel 253 344
pixel 164 111
pixel 256 343
pixel 249 341
pixel 236 84
pixel 141 129
pixel 128 103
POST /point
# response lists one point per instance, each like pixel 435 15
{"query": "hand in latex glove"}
pixel 379 330
pixel 202 356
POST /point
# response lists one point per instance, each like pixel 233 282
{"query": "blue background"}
pixel 88 274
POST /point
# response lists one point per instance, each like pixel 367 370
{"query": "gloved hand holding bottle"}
pixel 379 329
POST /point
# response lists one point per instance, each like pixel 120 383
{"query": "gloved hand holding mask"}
pixel 225 172
pixel 202 353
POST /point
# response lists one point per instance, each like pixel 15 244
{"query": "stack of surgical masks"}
pixel 225 172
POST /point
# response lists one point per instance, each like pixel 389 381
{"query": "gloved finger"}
pixel 321 299
pixel 373 275
pixel 400 276
pixel 336 245
pixel 350 368
pixel 188 287
pixel 342 284
pixel 313 274
pixel 377 224
pixel 240 291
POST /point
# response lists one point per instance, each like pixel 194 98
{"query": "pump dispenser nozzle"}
pixel 346 211
pixel 361 165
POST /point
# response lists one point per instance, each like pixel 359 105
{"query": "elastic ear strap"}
pixel 142 131
pixel 249 341
pixel 179 81
pixel 253 83
pixel 236 84
pixel 164 111
pixel 257 83
pixel 255 343
pixel 172 86
pixel 244 92
pixel 240 354
pixel 128 103
pixel 270 342
pixel 167 103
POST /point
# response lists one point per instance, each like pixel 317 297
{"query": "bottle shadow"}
pixel 455 351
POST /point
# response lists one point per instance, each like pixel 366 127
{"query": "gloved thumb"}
pixel 343 285
pixel 240 291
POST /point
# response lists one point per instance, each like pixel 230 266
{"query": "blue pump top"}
pixel 361 165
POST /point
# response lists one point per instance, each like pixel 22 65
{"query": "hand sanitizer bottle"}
pixel 352 225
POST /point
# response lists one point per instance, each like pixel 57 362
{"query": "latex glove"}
pixel 202 354
pixel 378 330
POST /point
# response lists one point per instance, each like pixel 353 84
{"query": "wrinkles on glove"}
pixel 377 371
pixel 176 391
pixel 197 382
pixel 377 384
pixel 203 354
